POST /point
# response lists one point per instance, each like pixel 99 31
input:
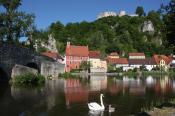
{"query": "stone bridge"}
pixel 10 55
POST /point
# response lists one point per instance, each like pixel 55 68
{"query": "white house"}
pixel 136 56
pixel 149 63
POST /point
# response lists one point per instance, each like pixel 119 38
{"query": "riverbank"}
pixel 143 73
pixel 165 111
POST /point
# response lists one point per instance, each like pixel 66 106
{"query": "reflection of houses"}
pixel 97 65
pixel 150 81
pixel 127 85
pixel 162 61
pixel 164 85
pixel 115 86
pixel 98 83
pixel 74 92
pixel 75 55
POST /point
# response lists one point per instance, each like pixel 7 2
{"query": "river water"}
pixel 69 97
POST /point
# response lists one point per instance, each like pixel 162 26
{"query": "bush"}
pixel 156 69
pixel 29 79
pixel 67 75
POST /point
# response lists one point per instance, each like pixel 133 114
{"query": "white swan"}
pixel 111 109
pixel 96 107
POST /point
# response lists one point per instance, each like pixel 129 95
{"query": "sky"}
pixel 65 11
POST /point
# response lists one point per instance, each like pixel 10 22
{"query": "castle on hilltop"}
pixel 112 13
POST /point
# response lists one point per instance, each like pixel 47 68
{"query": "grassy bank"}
pixel 147 73
pixel 28 79
pixel 67 75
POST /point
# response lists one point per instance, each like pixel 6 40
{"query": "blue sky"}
pixel 48 11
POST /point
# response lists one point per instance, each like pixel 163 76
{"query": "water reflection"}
pixel 70 96
pixel 75 92
pixel 96 113
pixel 98 83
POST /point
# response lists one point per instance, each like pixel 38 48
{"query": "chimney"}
pixel 68 44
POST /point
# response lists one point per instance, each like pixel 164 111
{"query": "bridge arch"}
pixel 33 65
pixel 3 75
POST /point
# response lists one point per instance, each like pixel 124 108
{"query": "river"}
pixel 69 97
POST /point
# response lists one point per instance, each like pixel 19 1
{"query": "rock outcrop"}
pixel 50 44
pixel 148 27
pixel 21 70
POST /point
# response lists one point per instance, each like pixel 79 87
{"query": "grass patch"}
pixel 67 75
pixel 28 79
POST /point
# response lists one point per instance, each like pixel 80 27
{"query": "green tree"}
pixel 14 24
pixel 85 65
pixel 140 11
pixel 168 12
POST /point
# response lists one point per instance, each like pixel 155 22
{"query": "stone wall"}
pixel 51 69
pixel 21 70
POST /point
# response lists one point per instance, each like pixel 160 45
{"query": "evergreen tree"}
pixel 140 11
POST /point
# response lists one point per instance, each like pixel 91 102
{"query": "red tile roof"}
pixel 117 60
pixel 158 58
pixel 136 54
pixel 114 54
pixel 147 61
pixel 53 55
pixel 94 54
pixel 72 50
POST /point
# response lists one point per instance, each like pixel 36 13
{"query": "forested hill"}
pixel 122 34
pixel 152 33
pixel 144 33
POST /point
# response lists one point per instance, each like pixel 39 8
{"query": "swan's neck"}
pixel 101 100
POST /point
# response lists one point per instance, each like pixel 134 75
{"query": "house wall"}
pixel 150 67
pixel 97 65
pixel 127 68
pixel 121 65
pixel 73 62
pixel 136 57
pixel 95 62
pixel 113 56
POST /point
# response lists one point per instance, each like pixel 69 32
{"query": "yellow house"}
pixel 162 61
pixel 96 64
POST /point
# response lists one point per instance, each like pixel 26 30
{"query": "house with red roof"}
pixel 113 55
pixel 136 56
pixel 118 62
pixel 75 55
pixel 149 63
pixel 54 56
pixel 97 65
pixel 163 61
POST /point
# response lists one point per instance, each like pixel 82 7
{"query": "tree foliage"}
pixel 13 23
pixel 140 11
pixel 168 14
